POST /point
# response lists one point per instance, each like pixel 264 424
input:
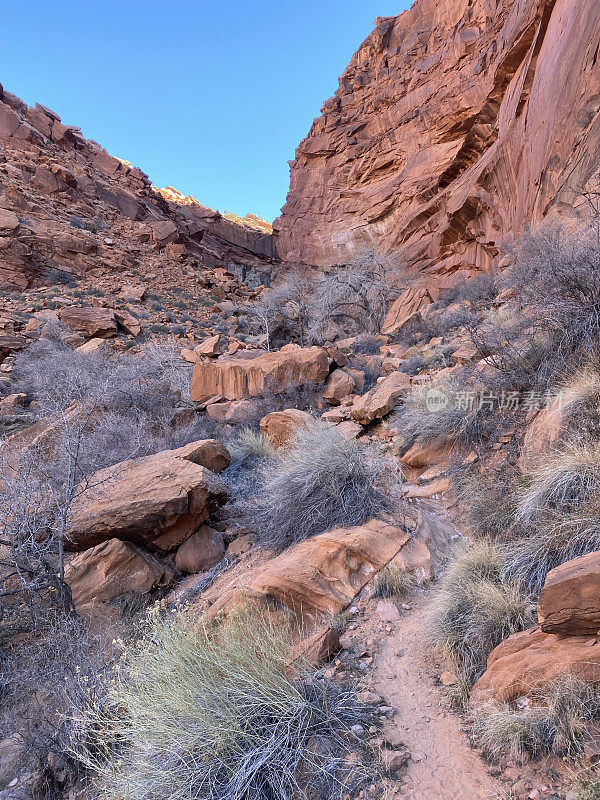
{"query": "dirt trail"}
pixel 443 766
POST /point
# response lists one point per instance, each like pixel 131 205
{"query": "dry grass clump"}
pixel 392 581
pixel 555 719
pixel 475 608
pixel 558 515
pixel 322 481
pixel 248 444
pixel 455 425
pixel 205 712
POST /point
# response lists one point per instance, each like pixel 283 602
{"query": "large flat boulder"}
pixel 381 399
pixel 112 569
pixel 320 576
pixel 156 501
pixel 236 378
pixel 532 659
pixel 91 321
pixel 570 600
pixel 279 427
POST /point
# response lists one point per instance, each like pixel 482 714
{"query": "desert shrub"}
pixel 475 608
pixel 457 423
pixel 322 481
pixel 555 720
pixel 488 499
pixel 558 515
pixel 392 581
pixel 61 277
pixel 43 680
pixel 353 298
pixel 214 713
pixel 248 444
pixel 479 291
pixel 368 345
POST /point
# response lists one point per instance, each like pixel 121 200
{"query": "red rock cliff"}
pixel 455 123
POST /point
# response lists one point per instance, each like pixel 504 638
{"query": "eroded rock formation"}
pixel 454 125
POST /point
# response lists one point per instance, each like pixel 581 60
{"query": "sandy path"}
pixel 443 766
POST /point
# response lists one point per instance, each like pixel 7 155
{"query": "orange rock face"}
pixel 235 378
pixel 570 599
pixel 454 124
pixel 529 660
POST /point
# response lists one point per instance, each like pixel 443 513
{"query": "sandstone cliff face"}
pixel 455 124
pixel 66 204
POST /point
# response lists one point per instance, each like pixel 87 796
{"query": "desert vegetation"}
pixel 213 712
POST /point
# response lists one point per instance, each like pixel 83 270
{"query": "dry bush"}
pixel 555 719
pixel 248 444
pixel 213 713
pixel 322 481
pixel 353 298
pixel 44 679
pixel 488 500
pixel 475 609
pixel 479 291
pixel 558 515
pixel 392 581
pixel 453 425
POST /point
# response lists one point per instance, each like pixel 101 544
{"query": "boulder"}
pixel 531 659
pixel 157 501
pixel 279 427
pixel 128 322
pixel 92 322
pixel 317 649
pixel 236 378
pixel 321 575
pixel 132 294
pixel 114 568
pixel 404 309
pixel 8 222
pixel 570 600
pixel 201 551
pixel 381 399
pixel 339 385
pixel 209 347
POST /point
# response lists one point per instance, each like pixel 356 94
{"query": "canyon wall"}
pixel 455 124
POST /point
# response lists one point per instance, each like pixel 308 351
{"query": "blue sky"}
pixel 209 97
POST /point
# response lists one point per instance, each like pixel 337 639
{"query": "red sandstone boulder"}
pixel 92 322
pixel 317 649
pixel 321 575
pixel 157 501
pixel 382 399
pixel 570 600
pixel 209 347
pixel 529 660
pixel 8 222
pixel 339 385
pixel 201 551
pixel 279 427
pixel 236 378
pixel 114 568
pixel 404 309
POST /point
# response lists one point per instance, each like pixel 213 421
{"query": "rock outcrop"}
pixel 454 125
pixel 321 575
pixel 67 205
pixel 156 501
pixel 381 399
pixel 570 600
pixel 279 427
pixel 237 377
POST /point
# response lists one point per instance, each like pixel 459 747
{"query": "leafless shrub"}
pixel 214 713
pixel 478 292
pixel 475 608
pixel 488 499
pixel 45 679
pixel 556 719
pixel 355 297
pixel 322 481
pixel 392 581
